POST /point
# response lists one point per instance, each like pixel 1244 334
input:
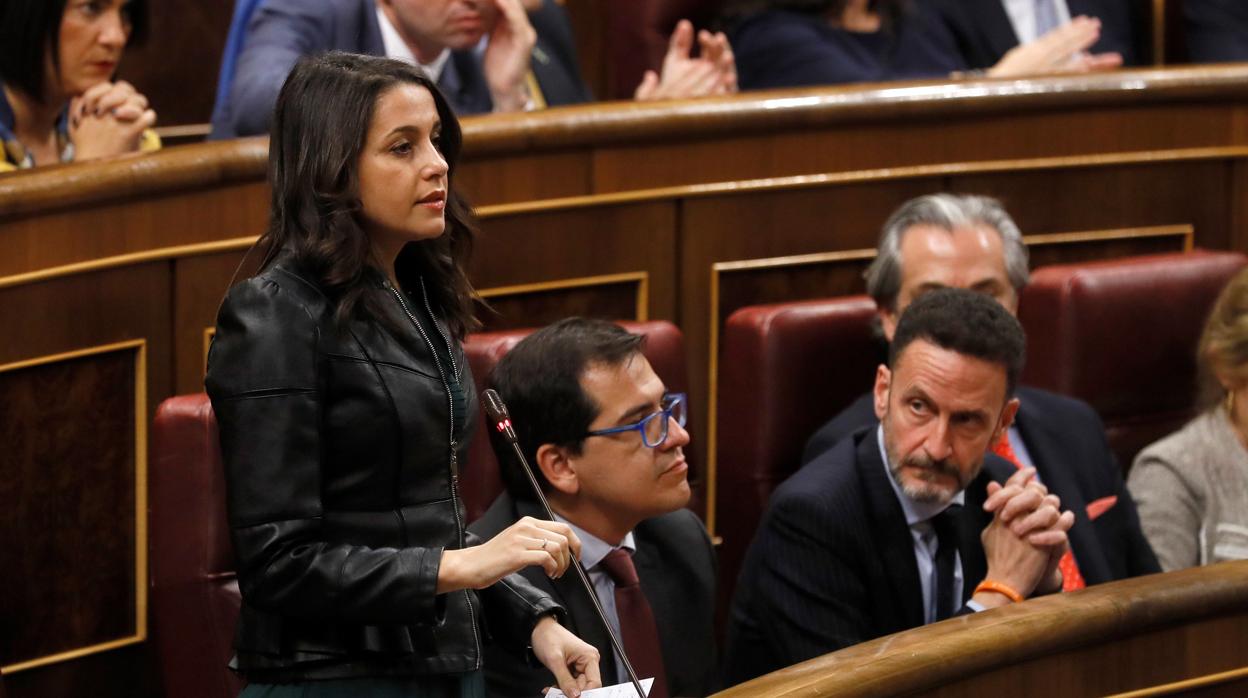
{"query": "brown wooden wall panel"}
pixel 92 232
pixel 609 301
pixel 521 247
pixel 70 442
pixel 177 66
pixel 1115 196
pixel 1147 661
pixel 859 146
pixel 525 177
pixel 69 542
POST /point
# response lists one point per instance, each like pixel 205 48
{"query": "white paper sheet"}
pixel 622 690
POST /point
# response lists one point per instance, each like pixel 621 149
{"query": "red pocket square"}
pixel 1100 506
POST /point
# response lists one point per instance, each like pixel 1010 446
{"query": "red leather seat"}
pixel 784 370
pixel 480 480
pixel 194 594
pixel 1122 334
pixel 638 36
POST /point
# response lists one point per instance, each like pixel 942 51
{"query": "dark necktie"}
pixel 946 555
pixel 640 634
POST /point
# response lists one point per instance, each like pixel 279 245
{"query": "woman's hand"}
pixel 526 543
pixel 108 119
pixel 573 661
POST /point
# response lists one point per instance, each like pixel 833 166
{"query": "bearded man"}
pixel 910 521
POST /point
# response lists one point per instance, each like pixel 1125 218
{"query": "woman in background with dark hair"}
pixel 59 104
pixel 345 406
pixel 791 43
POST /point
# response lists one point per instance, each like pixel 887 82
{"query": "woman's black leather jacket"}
pixel 342 490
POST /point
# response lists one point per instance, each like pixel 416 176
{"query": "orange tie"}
pixel 1071 579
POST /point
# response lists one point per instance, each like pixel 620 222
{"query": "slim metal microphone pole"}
pixel 497 412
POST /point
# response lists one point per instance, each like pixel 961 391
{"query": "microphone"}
pixel 496 411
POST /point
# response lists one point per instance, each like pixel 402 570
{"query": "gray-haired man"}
pixel 958 241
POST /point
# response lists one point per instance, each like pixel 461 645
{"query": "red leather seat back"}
pixel 638 36
pixel 479 479
pixel 1122 335
pixel 784 370
pixel 195 598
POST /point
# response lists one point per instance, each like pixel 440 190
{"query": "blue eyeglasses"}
pixel 653 427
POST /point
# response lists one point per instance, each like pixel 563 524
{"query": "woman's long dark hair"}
pixel 320 124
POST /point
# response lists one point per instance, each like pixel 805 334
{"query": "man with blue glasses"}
pixel 606 440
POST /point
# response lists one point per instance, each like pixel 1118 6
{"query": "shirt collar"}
pixel 398 49
pixel 593 548
pixel 916 512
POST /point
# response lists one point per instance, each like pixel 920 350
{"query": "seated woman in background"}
pixel 792 43
pixel 1191 488
pixel 59 103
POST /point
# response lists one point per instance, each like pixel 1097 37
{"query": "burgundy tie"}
pixel 640 634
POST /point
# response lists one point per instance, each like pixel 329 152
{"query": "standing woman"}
pixel 345 406
pixel 58 102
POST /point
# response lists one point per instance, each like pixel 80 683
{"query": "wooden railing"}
pixel 1183 633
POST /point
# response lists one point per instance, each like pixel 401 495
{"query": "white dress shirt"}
pixel 398 49
pixel 1022 15
pixel 919 518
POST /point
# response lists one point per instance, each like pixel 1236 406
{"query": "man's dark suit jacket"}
pixel 1066 442
pixel 676 565
pixel 282 31
pixel 833 561
pixel 984 34
pixel 1217 30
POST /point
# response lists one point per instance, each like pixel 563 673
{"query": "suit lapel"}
pixel 582 616
pixel 998 30
pixel 1053 463
pixel 894 542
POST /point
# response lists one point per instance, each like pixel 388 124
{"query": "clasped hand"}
pixel 1027 537
pixel 108 119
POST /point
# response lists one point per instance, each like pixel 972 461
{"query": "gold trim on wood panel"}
pixel 1185 685
pixel 810 181
pixel 140 497
pixel 1186 232
pixel 125 260
pixel 642 278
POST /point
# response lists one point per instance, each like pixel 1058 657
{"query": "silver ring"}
pixel 544 542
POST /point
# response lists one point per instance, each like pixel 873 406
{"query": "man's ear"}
pixel 883 379
pixel 888 322
pixel 556 466
pixel 1007 419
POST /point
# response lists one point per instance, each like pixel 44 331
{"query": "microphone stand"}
pixel 496 410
